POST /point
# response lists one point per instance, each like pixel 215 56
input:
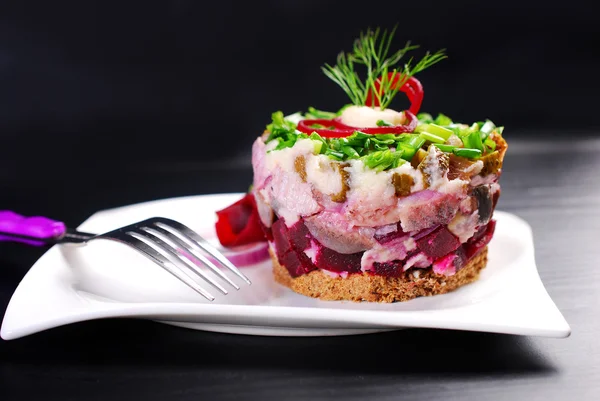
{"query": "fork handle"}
pixel 35 230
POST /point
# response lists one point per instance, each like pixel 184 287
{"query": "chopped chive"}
pixel 318 147
pixel 442 119
pixel 407 151
pixel 382 123
pixel 334 154
pixel 439 131
pixel 350 152
pixel 468 153
pixel 487 127
pixel 416 142
pixel 475 140
pixel 490 144
pixel 432 138
pixel 445 148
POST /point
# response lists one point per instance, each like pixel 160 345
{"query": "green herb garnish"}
pixel 386 151
pixel 372 51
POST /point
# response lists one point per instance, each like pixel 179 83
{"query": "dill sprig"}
pixel 372 51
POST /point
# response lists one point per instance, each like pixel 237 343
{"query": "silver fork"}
pixel 168 243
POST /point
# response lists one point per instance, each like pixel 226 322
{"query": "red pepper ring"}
pixel 342 130
pixel 412 87
pixel 239 223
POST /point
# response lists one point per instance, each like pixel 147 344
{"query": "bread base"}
pixel 367 287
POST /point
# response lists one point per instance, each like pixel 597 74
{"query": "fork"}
pixel 168 243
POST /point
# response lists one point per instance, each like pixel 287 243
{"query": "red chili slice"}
pixel 414 91
pixel 412 87
pixel 342 130
pixel 239 223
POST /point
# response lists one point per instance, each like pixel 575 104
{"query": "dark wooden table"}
pixel 553 184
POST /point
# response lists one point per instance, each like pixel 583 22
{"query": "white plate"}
pixel 104 279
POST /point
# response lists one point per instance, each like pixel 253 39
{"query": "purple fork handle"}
pixel 17 228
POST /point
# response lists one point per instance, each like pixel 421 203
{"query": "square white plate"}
pixel 105 279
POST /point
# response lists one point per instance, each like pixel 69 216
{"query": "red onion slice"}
pixel 245 255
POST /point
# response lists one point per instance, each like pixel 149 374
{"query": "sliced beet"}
pixel 438 243
pixel 388 269
pixel 480 240
pixel 338 262
pixel 485 204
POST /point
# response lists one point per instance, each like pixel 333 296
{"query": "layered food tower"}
pixel 373 204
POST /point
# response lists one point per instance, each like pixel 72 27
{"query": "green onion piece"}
pixel 408 151
pixel 382 123
pixel 318 146
pixel 380 146
pixel 286 144
pixel 487 127
pixel 466 141
pixel 499 130
pixel 432 138
pixel 350 152
pixel 439 131
pixel 417 141
pixel 469 153
pixel 398 160
pixel 380 160
pixel 445 148
pixel 475 140
pixel 316 137
pixel 442 119
pixel 334 154
pixel 320 114
pixel 425 118
pixel 385 137
pixel 490 144
pixel 384 141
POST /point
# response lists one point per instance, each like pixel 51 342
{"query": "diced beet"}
pixel 282 241
pixel 384 238
pixel 451 263
pixel 388 269
pixel 297 263
pixel 299 236
pixel 438 243
pixel 338 262
pixel 480 240
pixel 484 203
pixel 424 232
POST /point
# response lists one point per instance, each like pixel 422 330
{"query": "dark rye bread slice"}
pixel 366 287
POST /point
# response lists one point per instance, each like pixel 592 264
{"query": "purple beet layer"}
pixel 436 248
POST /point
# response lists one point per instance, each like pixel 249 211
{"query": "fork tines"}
pixel 179 250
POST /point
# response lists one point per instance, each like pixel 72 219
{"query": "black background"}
pixel 104 104
pixel 191 81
